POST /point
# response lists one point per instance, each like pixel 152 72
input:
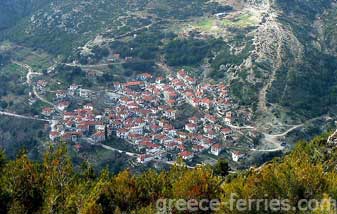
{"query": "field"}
pixel 218 26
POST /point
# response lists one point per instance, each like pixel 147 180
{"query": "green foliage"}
pixel 221 168
pixel 307 86
pixel 186 52
pixel 54 187
pixel 307 8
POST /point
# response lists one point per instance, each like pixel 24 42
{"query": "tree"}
pixel 22 179
pixel 58 177
pixel 221 168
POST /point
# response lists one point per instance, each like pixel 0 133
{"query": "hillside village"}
pixel 146 113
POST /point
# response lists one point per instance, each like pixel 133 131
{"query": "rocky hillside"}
pixel 293 64
pixel 12 11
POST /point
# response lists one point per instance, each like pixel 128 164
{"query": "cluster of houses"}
pixel 143 112
pixel 78 124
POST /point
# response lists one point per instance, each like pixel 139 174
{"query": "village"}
pixel 146 113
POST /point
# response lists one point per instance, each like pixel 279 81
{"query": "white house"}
pixel 216 149
pixel 144 158
pixel 186 155
pixel 190 127
pixel 53 135
pixel 99 136
pixel 236 156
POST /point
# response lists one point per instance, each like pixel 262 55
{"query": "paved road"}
pixel 22 116
pixel 90 141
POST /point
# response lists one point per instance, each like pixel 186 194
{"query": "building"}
pixel 190 127
pixel 236 156
pixel 216 149
pixel 186 155
pixel 47 111
pixel 60 94
pixel 99 137
pixel 63 105
pixel 85 93
pixel 54 135
pixel 144 158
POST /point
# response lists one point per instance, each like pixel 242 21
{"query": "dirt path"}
pixel 274 29
pixel 276 138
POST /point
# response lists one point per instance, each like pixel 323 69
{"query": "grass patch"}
pixel 241 21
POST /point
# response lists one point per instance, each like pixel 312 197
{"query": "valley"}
pixel 159 81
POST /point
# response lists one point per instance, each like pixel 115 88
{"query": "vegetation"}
pixel 53 186
pixel 307 86
pixel 179 52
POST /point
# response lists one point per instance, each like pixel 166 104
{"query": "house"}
pixel 154 128
pixel 216 149
pixel 54 135
pixel 73 87
pixel 170 114
pixel 205 103
pixel 190 80
pixel 226 132
pixel 99 136
pixel 211 134
pixel 118 85
pixel 228 117
pixel 134 84
pixel 194 101
pixel 88 106
pixel 137 129
pixel 47 111
pixel 206 142
pixel 186 155
pixel 210 118
pixel 85 93
pixel 171 146
pixel 122 133
pixel 150 147
pixel 82 127
pixel 69 124
pixel 236 156
pixel 71 136
pixel 144 158
pixel 159 80
pixel 190 127
pixel 60 94
pixel 333 138
pixel 144 76
pixel 193 120
pixel 198 148
pixel 68 115
pixel 63 105
pixel 181 74
pixel 41 84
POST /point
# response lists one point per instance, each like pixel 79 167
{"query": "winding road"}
pixel 275 138
pixel 29 77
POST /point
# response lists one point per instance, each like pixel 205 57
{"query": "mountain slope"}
pixel 276 55
pixel 11 11
pixel 293 65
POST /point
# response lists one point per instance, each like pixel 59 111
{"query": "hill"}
pixel 274 61
pixel 269 53
pixel 12 12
